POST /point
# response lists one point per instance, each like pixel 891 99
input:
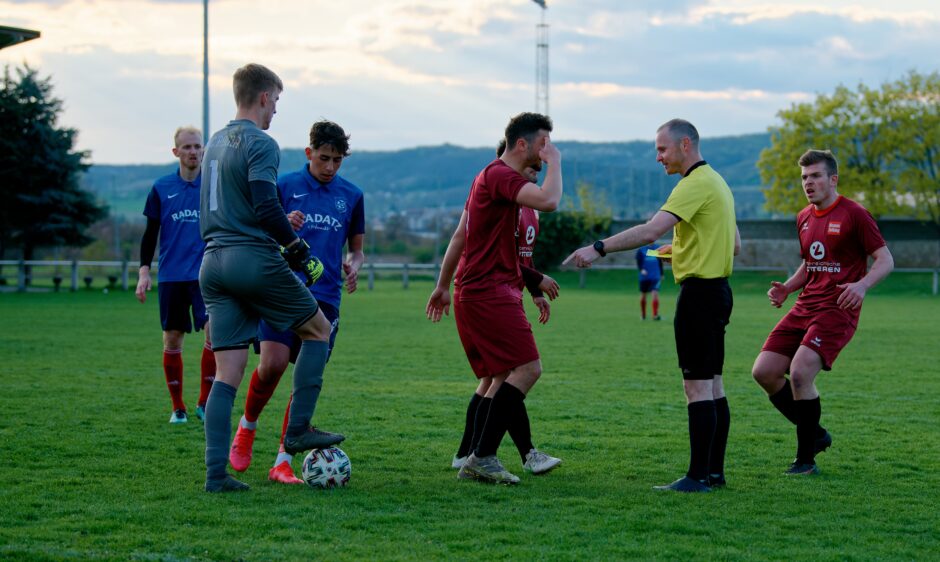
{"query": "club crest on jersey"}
pixel 341 205
pixel 817 251
pixel 834 228
pixel 530 235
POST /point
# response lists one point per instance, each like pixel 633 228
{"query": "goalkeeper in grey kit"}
pixel 251 249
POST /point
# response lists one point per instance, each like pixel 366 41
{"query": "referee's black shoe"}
pixel 798 468
pixel 822 442
pixel 715 481
pixel 685 484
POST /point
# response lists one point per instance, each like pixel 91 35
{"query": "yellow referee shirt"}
pixel 703 239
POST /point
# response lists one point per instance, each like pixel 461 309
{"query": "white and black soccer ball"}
pixel 326 468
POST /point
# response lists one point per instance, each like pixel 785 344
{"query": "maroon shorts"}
pixel 494 331
pixel 824 331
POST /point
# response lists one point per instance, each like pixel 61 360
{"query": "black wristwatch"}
pixel 599 246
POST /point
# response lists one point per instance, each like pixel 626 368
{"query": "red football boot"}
pixel 240 454
pixel 284 474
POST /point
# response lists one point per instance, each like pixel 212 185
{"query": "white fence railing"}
pixel 29 271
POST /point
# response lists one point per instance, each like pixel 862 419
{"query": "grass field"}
pixel 90 468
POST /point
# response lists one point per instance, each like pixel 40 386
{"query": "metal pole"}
pixel 205 71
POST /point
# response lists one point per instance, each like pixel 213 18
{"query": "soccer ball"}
pixel 326 468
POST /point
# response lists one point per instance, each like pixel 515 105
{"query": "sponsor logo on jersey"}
pixel 186 215
pixel 834 228
pixel 817 251
pixel 320 221
pixel 341 205
pixel 530 235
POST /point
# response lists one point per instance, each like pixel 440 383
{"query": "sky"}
pixel 404 73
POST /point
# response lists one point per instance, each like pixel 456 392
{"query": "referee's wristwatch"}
pixel 599 246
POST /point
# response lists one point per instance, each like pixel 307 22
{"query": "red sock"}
pixel 259 392
pixel 173 371
pixel 207 372
pixel 655 306
pixel 286 417
pixel 643 307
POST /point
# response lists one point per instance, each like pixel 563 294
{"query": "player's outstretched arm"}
pixel 354 260
pixel 439 302
pixel 854 293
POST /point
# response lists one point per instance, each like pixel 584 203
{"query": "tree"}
pixel 43 203
pixel 887 142
pixel 562 232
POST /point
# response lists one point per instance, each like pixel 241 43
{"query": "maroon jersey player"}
pixel 837 236
pixel 491 312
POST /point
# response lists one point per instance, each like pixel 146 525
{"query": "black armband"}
pixel 532 279
pixel 269 212
pixel 148 244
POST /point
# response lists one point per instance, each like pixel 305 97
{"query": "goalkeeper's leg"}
pixel 308 378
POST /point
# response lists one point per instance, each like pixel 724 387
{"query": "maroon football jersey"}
pixel 526 234
pixel 835 244
pixel 491 251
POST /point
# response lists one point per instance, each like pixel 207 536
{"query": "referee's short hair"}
pixel 814 156
pixel 679 129
pixel 251 80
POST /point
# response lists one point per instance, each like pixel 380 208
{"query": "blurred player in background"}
pixel 172 212
pixel 650 269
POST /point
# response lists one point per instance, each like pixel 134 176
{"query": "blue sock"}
pixel 218 428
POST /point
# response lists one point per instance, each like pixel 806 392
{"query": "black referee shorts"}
pixel 703 309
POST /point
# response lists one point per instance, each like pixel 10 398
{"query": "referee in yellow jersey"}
pixel 705 241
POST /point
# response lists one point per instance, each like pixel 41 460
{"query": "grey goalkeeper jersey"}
pixel 238 154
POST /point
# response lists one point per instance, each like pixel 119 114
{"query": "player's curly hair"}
pixel 251 80
pixel 328 132
pixel 526 126
pixel 814 156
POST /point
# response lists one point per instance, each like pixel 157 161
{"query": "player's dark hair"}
pixel 251 80
pixel 679 129
pixel 813 156
pixel 328 132
pixel 526 126
pixel 501 147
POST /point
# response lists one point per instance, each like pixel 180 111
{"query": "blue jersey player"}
pixel 172 212
pixel 327 212
pixel 651 275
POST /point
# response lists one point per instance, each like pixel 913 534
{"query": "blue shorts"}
pixel 649 285
pixel 179 300
pixel 292 340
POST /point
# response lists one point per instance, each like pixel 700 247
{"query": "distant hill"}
pixel 439 176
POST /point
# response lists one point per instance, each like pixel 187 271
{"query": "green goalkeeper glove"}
pixel 298 258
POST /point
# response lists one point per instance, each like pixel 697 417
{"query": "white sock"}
pixel 283 457
pixel 247 424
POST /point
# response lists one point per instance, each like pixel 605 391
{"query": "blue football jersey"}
pixel 335 213
pixel 175 203
pixel 653 267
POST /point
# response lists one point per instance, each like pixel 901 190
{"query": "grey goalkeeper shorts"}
pixel 245 283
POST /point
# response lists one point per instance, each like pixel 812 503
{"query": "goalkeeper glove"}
pixel 298 258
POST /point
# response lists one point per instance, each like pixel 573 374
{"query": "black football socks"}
pixel 505 404
pixel 806 430
pixel 716 459
pixel 464 448
pixel 702 421
pixel 783 401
